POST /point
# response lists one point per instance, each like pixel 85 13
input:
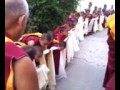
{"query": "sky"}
pixel 99 3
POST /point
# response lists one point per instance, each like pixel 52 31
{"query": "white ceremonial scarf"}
pixel 69 49
pixel 42 73
pixel 90 25
pixel 74 40
pixel 79 27
pixel 95 28
pixel 86 26
pixel 101 22
pixel 62 64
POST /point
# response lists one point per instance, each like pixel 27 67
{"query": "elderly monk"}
pixel 109 81
pixel 20 73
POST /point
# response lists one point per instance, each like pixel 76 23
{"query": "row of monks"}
pixel 49 52
pixel 64 41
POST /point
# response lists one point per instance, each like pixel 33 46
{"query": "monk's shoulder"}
pixel 14 51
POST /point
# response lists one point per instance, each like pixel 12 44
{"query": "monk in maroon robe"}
pixel 111 64
pixel 62 32
pixel 20 73
pixel 34 40
pixel 109 81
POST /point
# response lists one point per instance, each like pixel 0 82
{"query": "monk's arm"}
pixel 25 75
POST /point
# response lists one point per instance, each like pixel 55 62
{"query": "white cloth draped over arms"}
pixel 86 26
pixel 71 45
pixel 74 40
pixel 79 28
pixel 95 28
pixel 90 26
pixel 101 22
pixel 62 71
pixel 69 49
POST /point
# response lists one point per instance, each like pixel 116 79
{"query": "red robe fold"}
pixel 11 56
pixel 31 37
pixel 56 56
pixel 109 81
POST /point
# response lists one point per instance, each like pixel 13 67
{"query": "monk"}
pixel 95 9
pixel 54 41
pixel 71 16
pixel 34 52
pixel 109 81
pixel 20 73
pixel 34 40
pixel 62 32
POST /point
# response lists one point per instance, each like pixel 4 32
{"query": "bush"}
pixel 46 15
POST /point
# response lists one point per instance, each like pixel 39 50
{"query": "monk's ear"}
pixel 22 20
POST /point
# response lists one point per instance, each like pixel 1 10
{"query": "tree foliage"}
pixel 46 15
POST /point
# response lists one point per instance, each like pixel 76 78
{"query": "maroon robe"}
pixel 11 56
pixel 56 56
pixel 109 81
pixel 58 36
pixel 31 37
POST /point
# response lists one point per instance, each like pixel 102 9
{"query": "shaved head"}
pixel 16 14
pixel 16 8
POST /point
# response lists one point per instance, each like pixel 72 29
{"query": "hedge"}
pixel 46 15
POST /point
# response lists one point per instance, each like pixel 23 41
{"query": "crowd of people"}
pixel 23 52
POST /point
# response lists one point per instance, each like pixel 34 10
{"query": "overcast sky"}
pixel 99 3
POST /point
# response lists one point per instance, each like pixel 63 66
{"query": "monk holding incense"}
pixel 20 73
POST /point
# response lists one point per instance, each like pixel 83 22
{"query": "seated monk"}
pixel 34 52
pixel 33 40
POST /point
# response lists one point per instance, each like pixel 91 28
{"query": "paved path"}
pixel 86 71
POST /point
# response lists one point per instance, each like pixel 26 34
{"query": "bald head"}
pixel 16 13
pixel 16 8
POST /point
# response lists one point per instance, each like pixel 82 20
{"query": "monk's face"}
pixel 44 43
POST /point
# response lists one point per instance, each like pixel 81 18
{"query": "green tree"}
pixel 46 15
